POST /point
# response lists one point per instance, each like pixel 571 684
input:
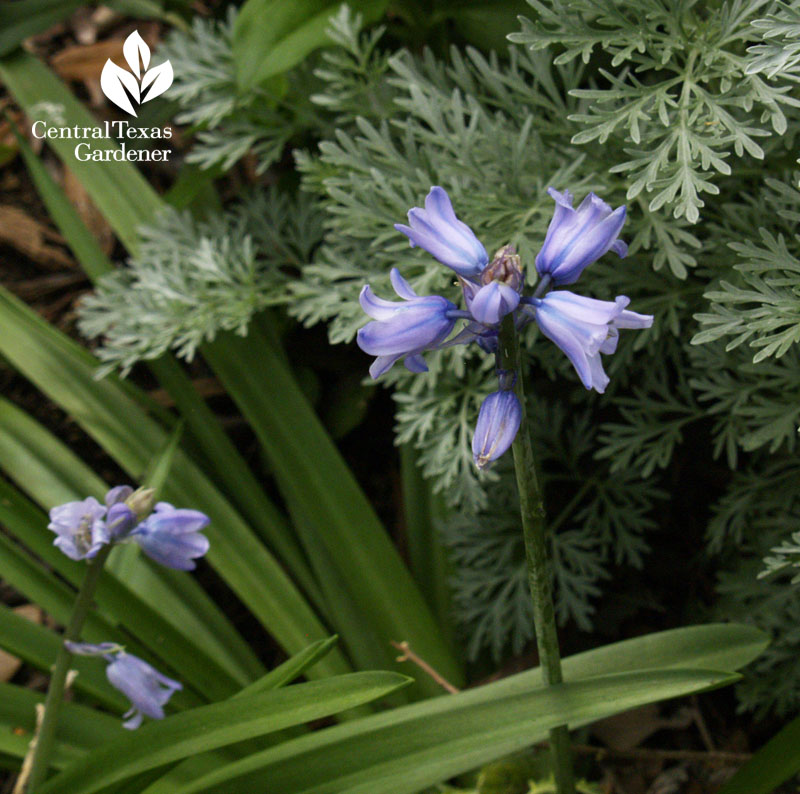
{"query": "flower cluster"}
pixel 168 535
pixel 146 688
pixel 584 328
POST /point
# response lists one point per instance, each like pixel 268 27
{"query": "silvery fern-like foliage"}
pixel 780 52
pixel 682 93
pixel 762 306
pixel 755 518
pixel 783 558
pixel 193 278
pixel 599 521
pixel 495 131
pixel 228 125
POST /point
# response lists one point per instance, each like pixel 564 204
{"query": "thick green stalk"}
pixel 45 736
pixel 538 559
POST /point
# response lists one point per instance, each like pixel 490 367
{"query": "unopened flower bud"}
pixel 141 501
pixel 506 268
pixel 498 423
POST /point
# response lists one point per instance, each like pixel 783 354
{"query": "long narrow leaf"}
pixel 82 242
pixel 79 727
pixel 38 646
pixel 220 724
pixel 117 187
pixel 201 764
pixel 65 373
pixel 187 632
pixel 319 487
pixel 426 554
pixel 775 763
pixel 18 21
pixel 221 457
pixel 407 749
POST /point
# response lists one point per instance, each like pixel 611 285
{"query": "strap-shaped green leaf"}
pixel 775 763
pixel 210 727
pixel 117 187
pixel 728 646
pixel 19 21
pixel 65 373
pixel 222 460
pixel 170 624
pixel 38 646
pixel 272 36
pixel 80 728
pixel 413 747
pixel 365 580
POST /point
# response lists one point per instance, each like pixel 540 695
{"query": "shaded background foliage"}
pixel 684 111
pixel 671 498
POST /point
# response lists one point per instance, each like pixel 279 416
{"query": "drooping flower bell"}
pixel 80 528
pixel 497 426
pixel 578 237
pixel 584 328
pixel 441 234
pixel 403 330
pixel 168 536
pixel 146 688
pixel 172 537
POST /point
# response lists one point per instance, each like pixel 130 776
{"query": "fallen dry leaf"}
pixel 628 730
pixel 86 61
pixel 88 23
pixel 10 664
pixel 32 238
pixel 90 215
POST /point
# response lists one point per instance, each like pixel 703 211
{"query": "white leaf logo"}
pixel 134 48
pixel 141 84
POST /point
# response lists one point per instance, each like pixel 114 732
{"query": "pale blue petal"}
pixel 375 307
pixel 146 688
pixel 401 286
pixel 576 238
pixel 497 426
pixel 381 365
pixel 413 326
pixel 492 302
pixel 118 494
pixel 177 522
pixel 173 551
pixel 415 363
pixel 437 229
pixel 598 375
pixel 554 327
pixel 629 319
pixel 584 310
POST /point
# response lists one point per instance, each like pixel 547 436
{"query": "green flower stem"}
pixel 55 693
pixel 539 574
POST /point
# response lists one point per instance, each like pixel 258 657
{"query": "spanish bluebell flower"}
pixel 440 233
pixel 584 328
pixel 498 422
pixel 172 537
pixel 146 688
pixel 403 329
pixel 80 528
pixel 578 237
